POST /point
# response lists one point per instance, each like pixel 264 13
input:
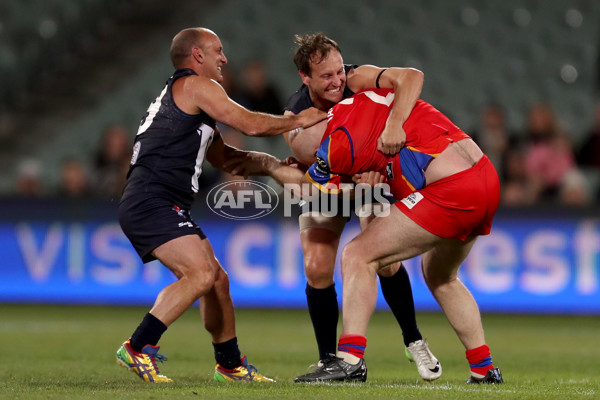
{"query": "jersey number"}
pixel 151 113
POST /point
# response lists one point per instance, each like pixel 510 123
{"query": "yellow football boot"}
pixel 144 363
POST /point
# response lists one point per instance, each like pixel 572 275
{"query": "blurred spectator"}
pixel 494 137
pixel 516 190
pixel 29 178
pixel 258 94
pixel 112 161
pixel 589 152
pixel 574 189
pixel 230 83
pixel 549 156
pixel 73 179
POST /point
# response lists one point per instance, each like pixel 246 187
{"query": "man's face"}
pixel 327 81
pixel 214 58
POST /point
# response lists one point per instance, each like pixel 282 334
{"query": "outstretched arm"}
pixel 291 176
pixel 200 93
pixel 254 163
pixel 407 84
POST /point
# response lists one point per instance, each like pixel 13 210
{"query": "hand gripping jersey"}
pixel 169 150
pixel 349 145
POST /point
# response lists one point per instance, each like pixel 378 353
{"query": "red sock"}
pixel 480 360
pixel 353 344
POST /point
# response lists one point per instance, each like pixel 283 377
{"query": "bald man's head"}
pixel 185 41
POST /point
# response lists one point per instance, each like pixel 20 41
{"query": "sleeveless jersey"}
pixel 349 145
pixel 169 149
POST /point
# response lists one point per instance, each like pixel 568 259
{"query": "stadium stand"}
pixel 473 52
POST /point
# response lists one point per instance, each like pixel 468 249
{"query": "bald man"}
pixel 175 136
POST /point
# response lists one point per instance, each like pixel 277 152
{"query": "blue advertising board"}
pixel 529 264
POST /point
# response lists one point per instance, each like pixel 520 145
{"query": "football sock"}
pixel 149 331
pixel 480 360
pixel 351 348
pixel 227 354
pixel 398 294
pixel 324 314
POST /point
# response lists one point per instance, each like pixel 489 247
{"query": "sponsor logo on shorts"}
pixel 188 224
pixel 412 199
pixel 179 211
pixel 242 199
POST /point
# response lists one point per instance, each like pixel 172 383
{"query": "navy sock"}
pixel 227 354
pixel 398 294
pixel 149 331
pixel 324 314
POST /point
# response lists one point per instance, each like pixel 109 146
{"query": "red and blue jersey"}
pixel 349 145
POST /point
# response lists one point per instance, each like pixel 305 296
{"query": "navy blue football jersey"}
pixel 169 149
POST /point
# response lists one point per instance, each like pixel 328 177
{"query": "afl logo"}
pixel 242 200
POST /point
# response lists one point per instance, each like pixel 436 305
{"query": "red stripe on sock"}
pixel 353 344
pixel 476 356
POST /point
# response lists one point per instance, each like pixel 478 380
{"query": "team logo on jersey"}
pixel 322 166
pixel 242 199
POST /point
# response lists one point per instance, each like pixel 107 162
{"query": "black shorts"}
pixel 151 222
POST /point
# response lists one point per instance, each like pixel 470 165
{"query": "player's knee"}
pixel 353 258
pixel 319 271
pixel 435 281
pixel 222 281
pixel 200 280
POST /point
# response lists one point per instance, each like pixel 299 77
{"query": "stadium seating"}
pixel 472 52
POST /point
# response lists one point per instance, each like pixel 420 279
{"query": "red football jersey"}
pixel 349 145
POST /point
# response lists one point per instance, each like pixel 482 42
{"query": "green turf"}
pixel 65 352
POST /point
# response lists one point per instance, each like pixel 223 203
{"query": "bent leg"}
pixel 440 269
pixel 192 261
pixel 216 308
pixel 388 239
pixel 397 292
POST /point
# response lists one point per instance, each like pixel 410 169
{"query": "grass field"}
pixel 67 352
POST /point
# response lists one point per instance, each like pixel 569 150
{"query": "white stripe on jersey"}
pixel 206 137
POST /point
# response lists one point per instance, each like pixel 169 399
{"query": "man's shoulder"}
pixel 349 67
pixel 299 101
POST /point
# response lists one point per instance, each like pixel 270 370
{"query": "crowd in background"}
pixel 538 164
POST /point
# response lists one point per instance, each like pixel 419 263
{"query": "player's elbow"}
pixel 251 126
pixel 416 74
pixel 252 131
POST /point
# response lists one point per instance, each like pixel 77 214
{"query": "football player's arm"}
pixel 407 84
pixel 253 163
pixel 208 96
pixel 219 152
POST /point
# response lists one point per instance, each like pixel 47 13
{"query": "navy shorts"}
pixel 151 222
